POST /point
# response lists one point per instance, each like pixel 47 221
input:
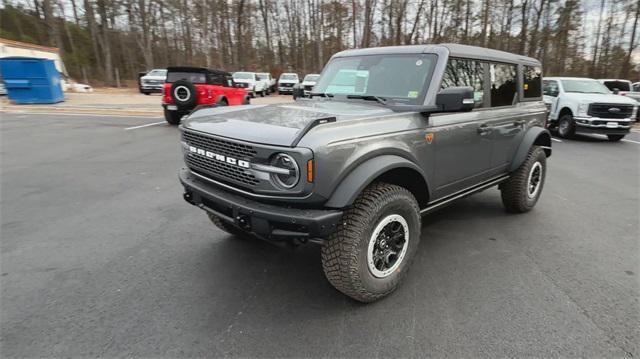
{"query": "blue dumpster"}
pixel 31 80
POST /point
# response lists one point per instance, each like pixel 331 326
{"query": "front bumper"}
pixel 268 221
pixel 603 126
pixel 151 88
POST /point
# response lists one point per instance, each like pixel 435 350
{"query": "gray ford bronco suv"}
pixel 389 134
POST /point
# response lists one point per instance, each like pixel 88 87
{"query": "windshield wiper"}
pixel 380 100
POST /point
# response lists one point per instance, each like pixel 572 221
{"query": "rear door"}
pixel 508 116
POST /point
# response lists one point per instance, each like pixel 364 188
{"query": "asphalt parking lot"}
pixel 101 257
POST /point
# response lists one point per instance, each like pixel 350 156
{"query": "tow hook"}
pixel 188 197
pixel 244 221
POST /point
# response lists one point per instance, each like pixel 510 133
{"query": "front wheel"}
pixel 521 191
pixel 262 93
pixel 615 138
pixel 369 254
pixel 566 126
pixel 172 117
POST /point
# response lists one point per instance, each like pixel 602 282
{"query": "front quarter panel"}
pixel 340 148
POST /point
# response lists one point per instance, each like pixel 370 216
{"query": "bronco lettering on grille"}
pixel 221 158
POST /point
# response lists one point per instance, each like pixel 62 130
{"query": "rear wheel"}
pixel 615 138
pixel 370 252
pixel 172 117
pixel 521 191
pixel 566 126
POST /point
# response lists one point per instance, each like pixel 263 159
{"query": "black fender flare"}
pixel 220 98
pixel 535 136
pixel 360 177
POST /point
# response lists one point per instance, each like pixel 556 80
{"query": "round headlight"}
pixel 285 180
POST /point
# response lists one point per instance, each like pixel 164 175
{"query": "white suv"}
pixel 583 105
pixel 250 80
pixel 287 81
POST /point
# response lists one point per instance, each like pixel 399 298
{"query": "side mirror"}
pixel 455 99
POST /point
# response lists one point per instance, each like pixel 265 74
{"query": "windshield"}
pixel 311 78
pixel 401 77
pixel 243 76
pixel 618 84
pixel 263 76
pixel 157 73
pixel 288 77
pixel 584 86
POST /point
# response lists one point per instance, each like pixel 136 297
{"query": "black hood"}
pixel 276 124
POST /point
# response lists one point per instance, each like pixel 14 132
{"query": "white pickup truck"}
pixel 271 82
pixel 252 83
pixel 583 105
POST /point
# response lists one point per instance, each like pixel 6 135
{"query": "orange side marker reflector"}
pixel 310 171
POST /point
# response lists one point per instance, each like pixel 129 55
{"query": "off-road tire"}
pixel 226 226
pixel 615 138
pixel 262 93
pixel 172 117
pixel 344 254
pixel 570 130
pixel 515 191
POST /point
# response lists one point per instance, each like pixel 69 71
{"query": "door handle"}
pixel 484 129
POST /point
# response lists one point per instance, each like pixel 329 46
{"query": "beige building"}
pixel 9 48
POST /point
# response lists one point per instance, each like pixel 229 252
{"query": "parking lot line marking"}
pixel 60 114
pixel 147 125
pixel 625 140
pixel 555 139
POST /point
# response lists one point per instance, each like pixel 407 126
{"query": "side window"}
pixel 228 81
pixel 532 78
pixel 460 72
pixel 215 79
pixel 551 88
pixel 636 87
pixel 503 85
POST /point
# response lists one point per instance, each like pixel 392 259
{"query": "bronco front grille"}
pixel 223 147
pixel 604 110
pixel 220 169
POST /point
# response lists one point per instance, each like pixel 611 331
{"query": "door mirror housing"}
pixel 455 99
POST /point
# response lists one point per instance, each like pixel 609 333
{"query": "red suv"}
pixel 189 87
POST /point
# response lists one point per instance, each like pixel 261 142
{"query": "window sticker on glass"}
pixel 419 62
pixel 412 94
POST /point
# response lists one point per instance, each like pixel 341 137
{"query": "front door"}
pixel 463 147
